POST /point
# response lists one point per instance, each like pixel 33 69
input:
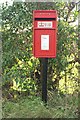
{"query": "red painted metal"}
pixel 45 30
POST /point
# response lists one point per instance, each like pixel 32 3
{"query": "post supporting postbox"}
pixel 44 41
pixel 44 62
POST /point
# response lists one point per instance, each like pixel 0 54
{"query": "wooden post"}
pixel 44 62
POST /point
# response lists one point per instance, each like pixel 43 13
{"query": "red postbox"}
pixel 44 33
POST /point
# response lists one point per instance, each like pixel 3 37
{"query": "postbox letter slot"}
pixel 45 19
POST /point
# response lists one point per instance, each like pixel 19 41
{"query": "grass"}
pixel 33 107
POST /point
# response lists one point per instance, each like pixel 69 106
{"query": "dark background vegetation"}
pixel 21 83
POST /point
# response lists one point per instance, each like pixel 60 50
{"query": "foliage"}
pixel 20 69
pixel 33 107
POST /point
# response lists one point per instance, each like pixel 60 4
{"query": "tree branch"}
pixel 71 21
pixel 70 8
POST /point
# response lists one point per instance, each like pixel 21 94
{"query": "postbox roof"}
pixel 45 13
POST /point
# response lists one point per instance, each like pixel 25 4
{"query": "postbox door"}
pixel 45 42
